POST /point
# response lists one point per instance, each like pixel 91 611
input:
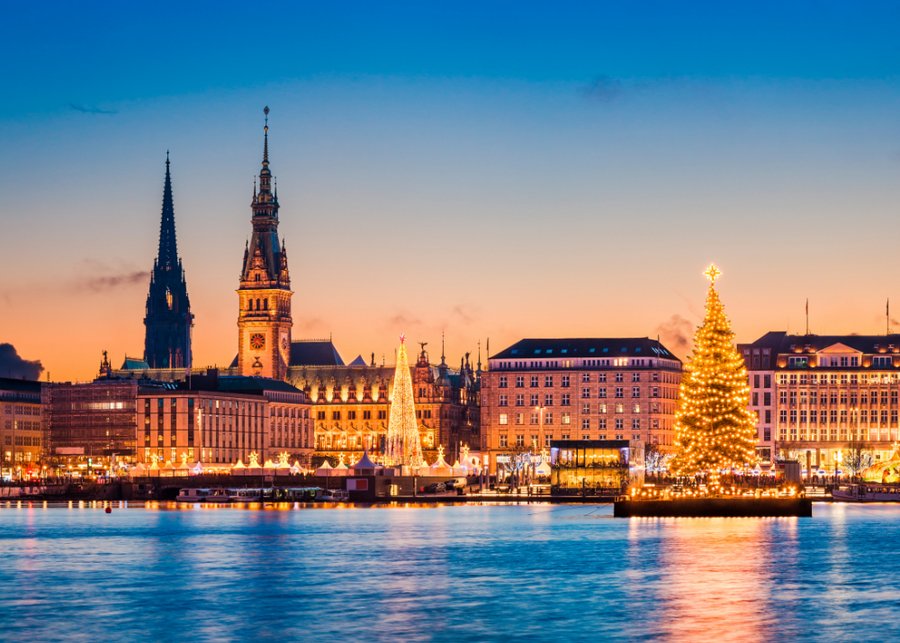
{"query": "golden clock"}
pixel 257 341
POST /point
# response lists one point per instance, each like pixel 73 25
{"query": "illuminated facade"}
pixel 21 427
pixel 168 319
pixel 539 390
pixel 817 396
pixel 218 420
pixel 264 295
pixel 92 425
pixel 351 403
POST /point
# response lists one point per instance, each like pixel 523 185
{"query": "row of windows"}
pixel 837 417
pixel 566 380
pixel 21 425
pixel 21 409
pixel 566 419
pixel 835 397
pixel 23 440
pixel 838 378
pixel 565 399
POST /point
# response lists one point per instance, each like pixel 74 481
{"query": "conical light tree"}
pixel 714 428
pixel 403 446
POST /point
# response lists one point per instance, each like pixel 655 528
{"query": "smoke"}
pixel 12 365
pixel 675 334
pixel 102 283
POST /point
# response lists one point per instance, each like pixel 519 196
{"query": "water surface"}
pixel 446 573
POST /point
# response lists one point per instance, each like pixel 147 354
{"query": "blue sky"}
pixel 487 169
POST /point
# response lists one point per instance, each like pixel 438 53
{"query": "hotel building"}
pixel 218 420
pixel 21 427
pixel 539 390
pixel 819 395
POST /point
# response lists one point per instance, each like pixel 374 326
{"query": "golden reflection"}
pixel 715 578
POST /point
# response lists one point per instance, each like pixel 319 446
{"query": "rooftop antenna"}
pixel 807 315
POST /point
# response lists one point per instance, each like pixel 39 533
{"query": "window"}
pixel 335 415
pixel 520 418
pixel 520 399
pixel 636 408
pixel 501 382
pixel 548 399
pixel 534 381
pixel 382 415
pixel 601 392
pixel 566 418
pixel 565 381
pixel 620 392
pixel 548 381
pixel 619 377
pixel 320 415
pixel 351 415
pixel 585 408
pixel 635 391
pixel 602 424
pixel 520 381
pixel 367 415
pixel 520 440
pixel 601 377
pixel 503 419
pixel 620 424
pixel 565 400
pixel 635 424
pixel 534 399
pixel 585 393
pixel 585 378
pixel 504 440
pixel 503 400
pixel 548 418
pixel 635 377
pixel 585 424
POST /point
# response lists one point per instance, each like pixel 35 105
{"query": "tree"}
pixel 714 429
pixel 403 444
pixel 857 459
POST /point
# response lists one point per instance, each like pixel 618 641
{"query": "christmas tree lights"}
pixel 403 446
pixel 714 429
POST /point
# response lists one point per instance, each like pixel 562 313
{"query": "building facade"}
pixel 351 403
pixel 820 396
pixel 91 426
pixel 539 390
pixel 168 319
pixel 22 428
pixel 217 420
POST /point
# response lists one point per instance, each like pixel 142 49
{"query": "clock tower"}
pixel 264 295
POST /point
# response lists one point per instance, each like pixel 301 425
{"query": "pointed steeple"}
pixel 168 320
pixel 167 257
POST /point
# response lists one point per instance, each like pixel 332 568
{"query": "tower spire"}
pixel 266 138
pixel 167 343
pixel 167 257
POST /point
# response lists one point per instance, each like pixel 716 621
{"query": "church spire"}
pixel 167 257
pixel 168 320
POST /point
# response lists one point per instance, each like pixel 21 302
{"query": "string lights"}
pixel 403 446
pixel 714 429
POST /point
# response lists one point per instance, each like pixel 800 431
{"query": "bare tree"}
pixel 857 459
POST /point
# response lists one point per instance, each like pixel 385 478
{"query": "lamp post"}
pixel 838 458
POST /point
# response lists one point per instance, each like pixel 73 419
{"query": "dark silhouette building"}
pixel 169 319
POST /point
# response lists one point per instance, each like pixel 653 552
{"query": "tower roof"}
pixel 167 257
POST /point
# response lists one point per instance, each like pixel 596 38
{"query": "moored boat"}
pixel 866 493
pixel 193 495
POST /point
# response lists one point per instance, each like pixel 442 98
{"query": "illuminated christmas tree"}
pixel 714 429
pixel 403 446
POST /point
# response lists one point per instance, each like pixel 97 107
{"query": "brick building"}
pixel 539 390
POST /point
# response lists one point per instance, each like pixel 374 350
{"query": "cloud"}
pixel 11 365
pixel 87 109
pixel 603 89
pixel 465 316
pixel 676 334
pixel 403 321
pixel 109 282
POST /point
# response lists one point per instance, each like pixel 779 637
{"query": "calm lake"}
pixel 446 573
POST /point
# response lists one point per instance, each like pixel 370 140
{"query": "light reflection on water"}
pixel 449 573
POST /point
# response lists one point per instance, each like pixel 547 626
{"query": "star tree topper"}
pixel 712 273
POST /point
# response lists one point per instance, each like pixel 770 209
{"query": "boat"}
pixel 193 495
pixel 866 493
pixel 219 496
pixel 332 495
pixel 246 495
pixel 295 494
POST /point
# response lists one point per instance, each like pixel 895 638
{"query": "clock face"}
pixel 257 341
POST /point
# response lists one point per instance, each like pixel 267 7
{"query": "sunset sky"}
pixel 498 170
